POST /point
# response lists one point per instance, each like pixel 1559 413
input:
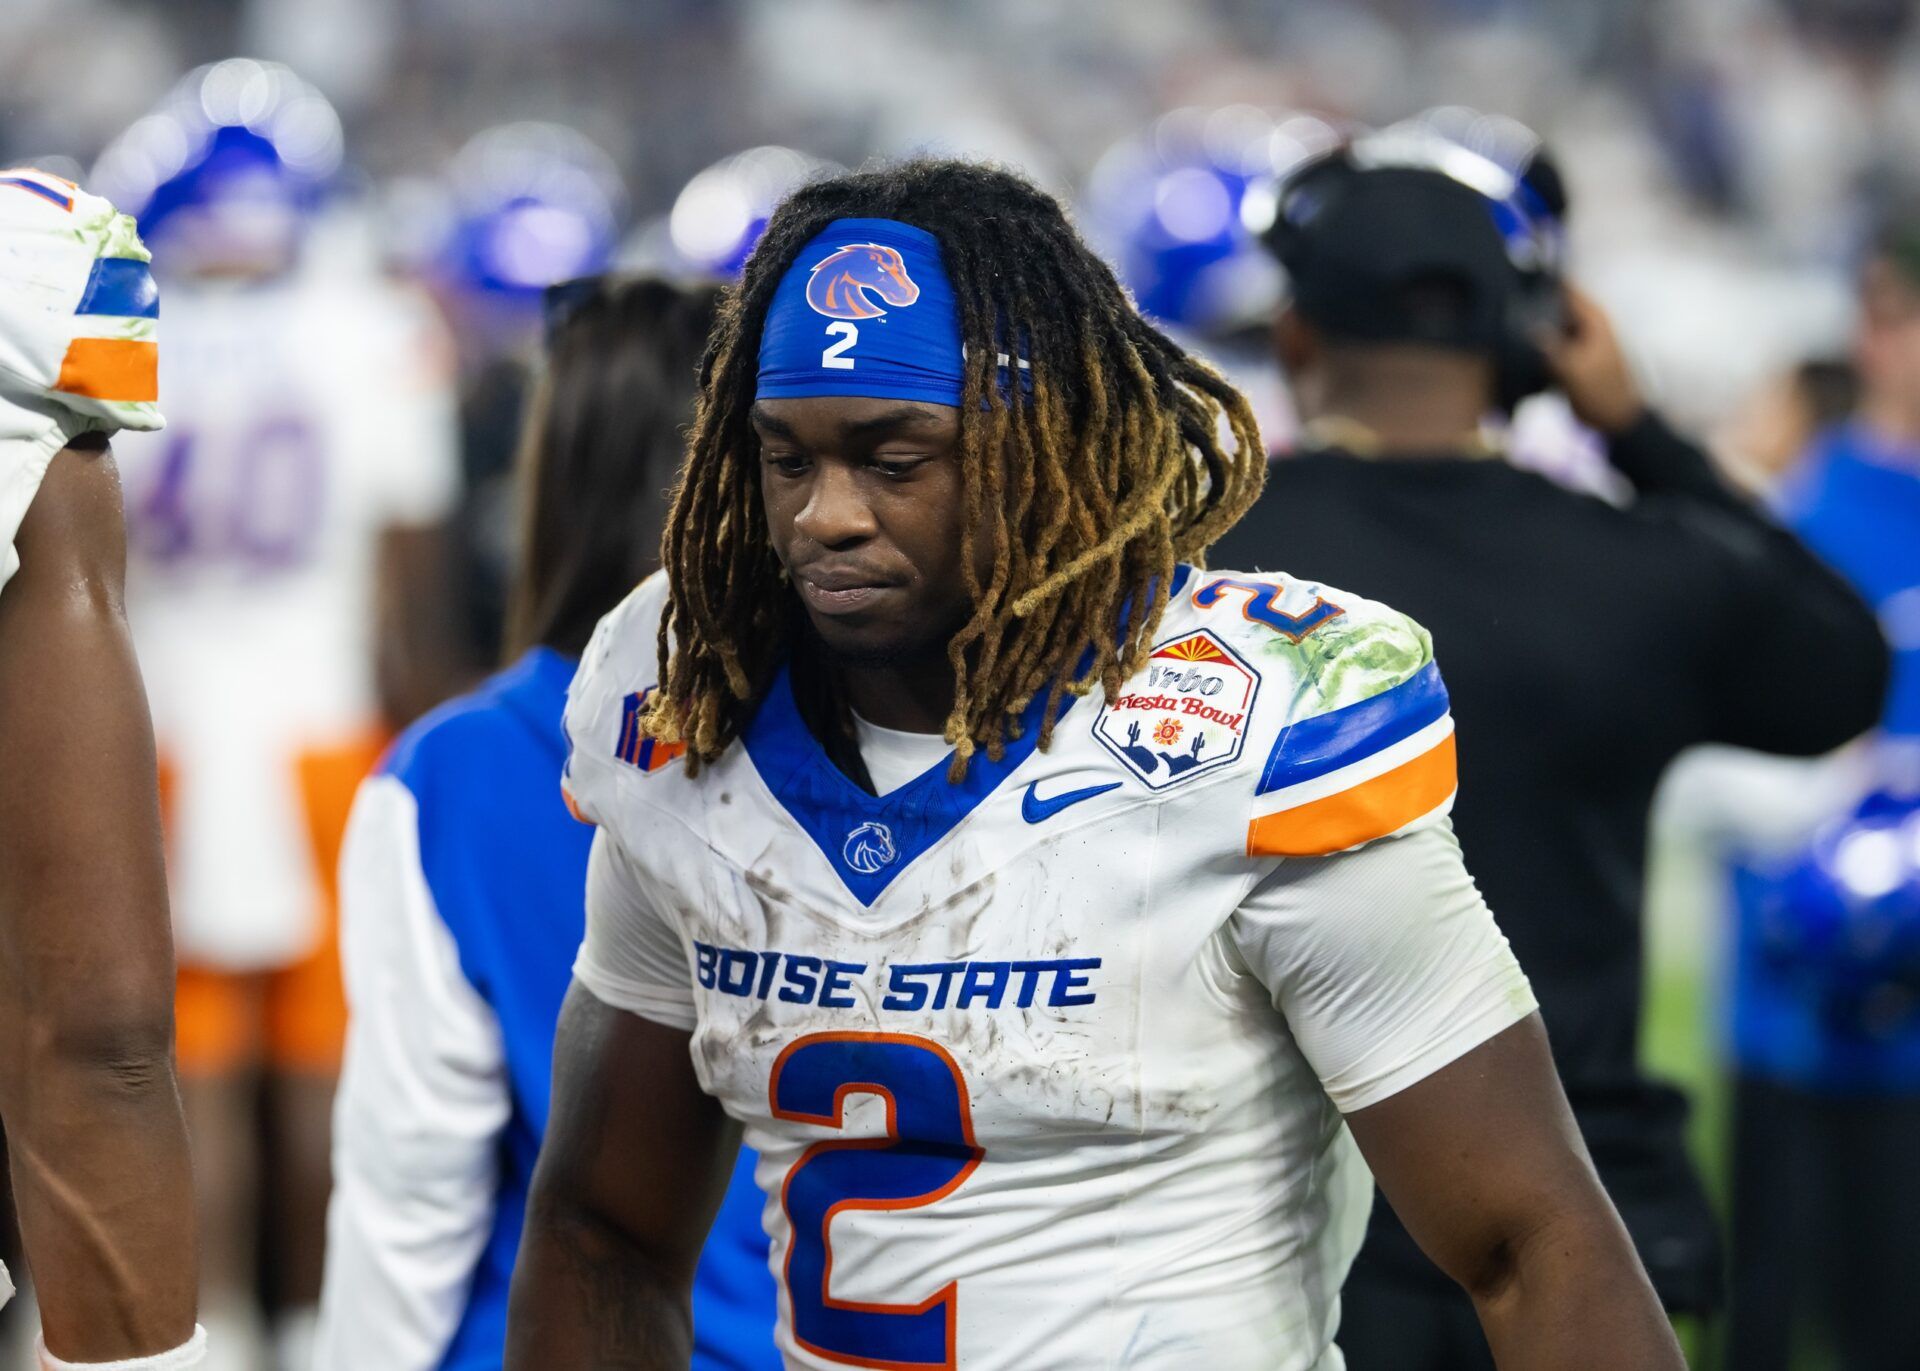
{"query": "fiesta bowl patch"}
pixel 1185 714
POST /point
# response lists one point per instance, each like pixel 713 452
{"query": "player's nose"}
pixel 837 511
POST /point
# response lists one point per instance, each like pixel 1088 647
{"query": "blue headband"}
pixel 866 309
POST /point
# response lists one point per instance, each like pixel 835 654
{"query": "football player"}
pixel 1069 927
pixel 98 1145
pixel 282 539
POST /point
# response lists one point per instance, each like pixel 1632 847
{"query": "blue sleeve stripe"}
pixel 1314 747
pixel 45 192
pixel 121 287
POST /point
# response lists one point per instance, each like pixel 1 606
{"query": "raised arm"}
pixel 1797 655
pixel 634 1165
pixel 1483 1163
pixel 87 1090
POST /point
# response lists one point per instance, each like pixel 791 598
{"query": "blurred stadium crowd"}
pixel 440 162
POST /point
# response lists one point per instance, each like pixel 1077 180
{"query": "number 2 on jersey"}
pixel 928 1151
pixel 1263 605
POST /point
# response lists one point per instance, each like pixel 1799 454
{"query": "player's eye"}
pixel 786 463
pixel 896 467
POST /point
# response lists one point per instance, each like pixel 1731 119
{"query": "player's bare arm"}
pixel 99 1150
pixel 634 1165
pixel 1484 1164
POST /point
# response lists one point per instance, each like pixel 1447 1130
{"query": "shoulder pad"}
pixel 78 306
pixel 618 672
pixel 1357 739
pixel 1335 647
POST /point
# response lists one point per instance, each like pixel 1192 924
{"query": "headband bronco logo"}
pixel 843 284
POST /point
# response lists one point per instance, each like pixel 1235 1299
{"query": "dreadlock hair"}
pixel 600 445
pixel 1088 484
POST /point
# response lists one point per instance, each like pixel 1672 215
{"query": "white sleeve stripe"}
pixel 1366 769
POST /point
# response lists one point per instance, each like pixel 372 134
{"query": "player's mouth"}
pixel 841 590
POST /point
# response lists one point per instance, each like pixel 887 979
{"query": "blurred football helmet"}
pixel 1840 920
pixel 532 204
pixel 225 175
pixel 719 215
pixel 1178 211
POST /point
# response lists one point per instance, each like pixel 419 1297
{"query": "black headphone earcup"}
pixel 1303 196
pixel 1520 370
pixel 1520 366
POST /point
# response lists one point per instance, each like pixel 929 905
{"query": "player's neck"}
pixel 913 695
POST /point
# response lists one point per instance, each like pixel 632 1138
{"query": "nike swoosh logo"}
pixel 1037 811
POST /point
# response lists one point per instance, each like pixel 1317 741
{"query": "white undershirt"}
pixel 893 758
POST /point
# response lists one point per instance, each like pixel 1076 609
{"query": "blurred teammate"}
pixel 461 885
pixel 98 1150
pixel 1043 1012
pixel 286 608
pixel 1586 645
pixel 1826 987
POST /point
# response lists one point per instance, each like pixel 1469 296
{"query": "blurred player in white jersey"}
pixel 285 603
pixel 98 1149
pixel 1068 927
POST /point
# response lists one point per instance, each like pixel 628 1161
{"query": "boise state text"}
pixel 795 978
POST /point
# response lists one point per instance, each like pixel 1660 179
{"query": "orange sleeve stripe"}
pixel 1372 809
pixel 119 370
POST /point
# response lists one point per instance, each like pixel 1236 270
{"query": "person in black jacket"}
pixel 1585 645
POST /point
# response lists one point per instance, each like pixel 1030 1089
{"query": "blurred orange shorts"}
pixel 292 1019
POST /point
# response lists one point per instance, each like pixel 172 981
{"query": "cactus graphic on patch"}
pixel 1185 713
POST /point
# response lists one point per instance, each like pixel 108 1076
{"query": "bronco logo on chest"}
pixel 1185 714
pixel 869 848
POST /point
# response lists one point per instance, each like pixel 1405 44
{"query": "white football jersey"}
pixel 78 349
pixel 306 415
pixel 1047 1068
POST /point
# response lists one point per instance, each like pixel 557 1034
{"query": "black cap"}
pixel 1396 254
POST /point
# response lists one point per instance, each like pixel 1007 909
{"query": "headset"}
pixel 1526 198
